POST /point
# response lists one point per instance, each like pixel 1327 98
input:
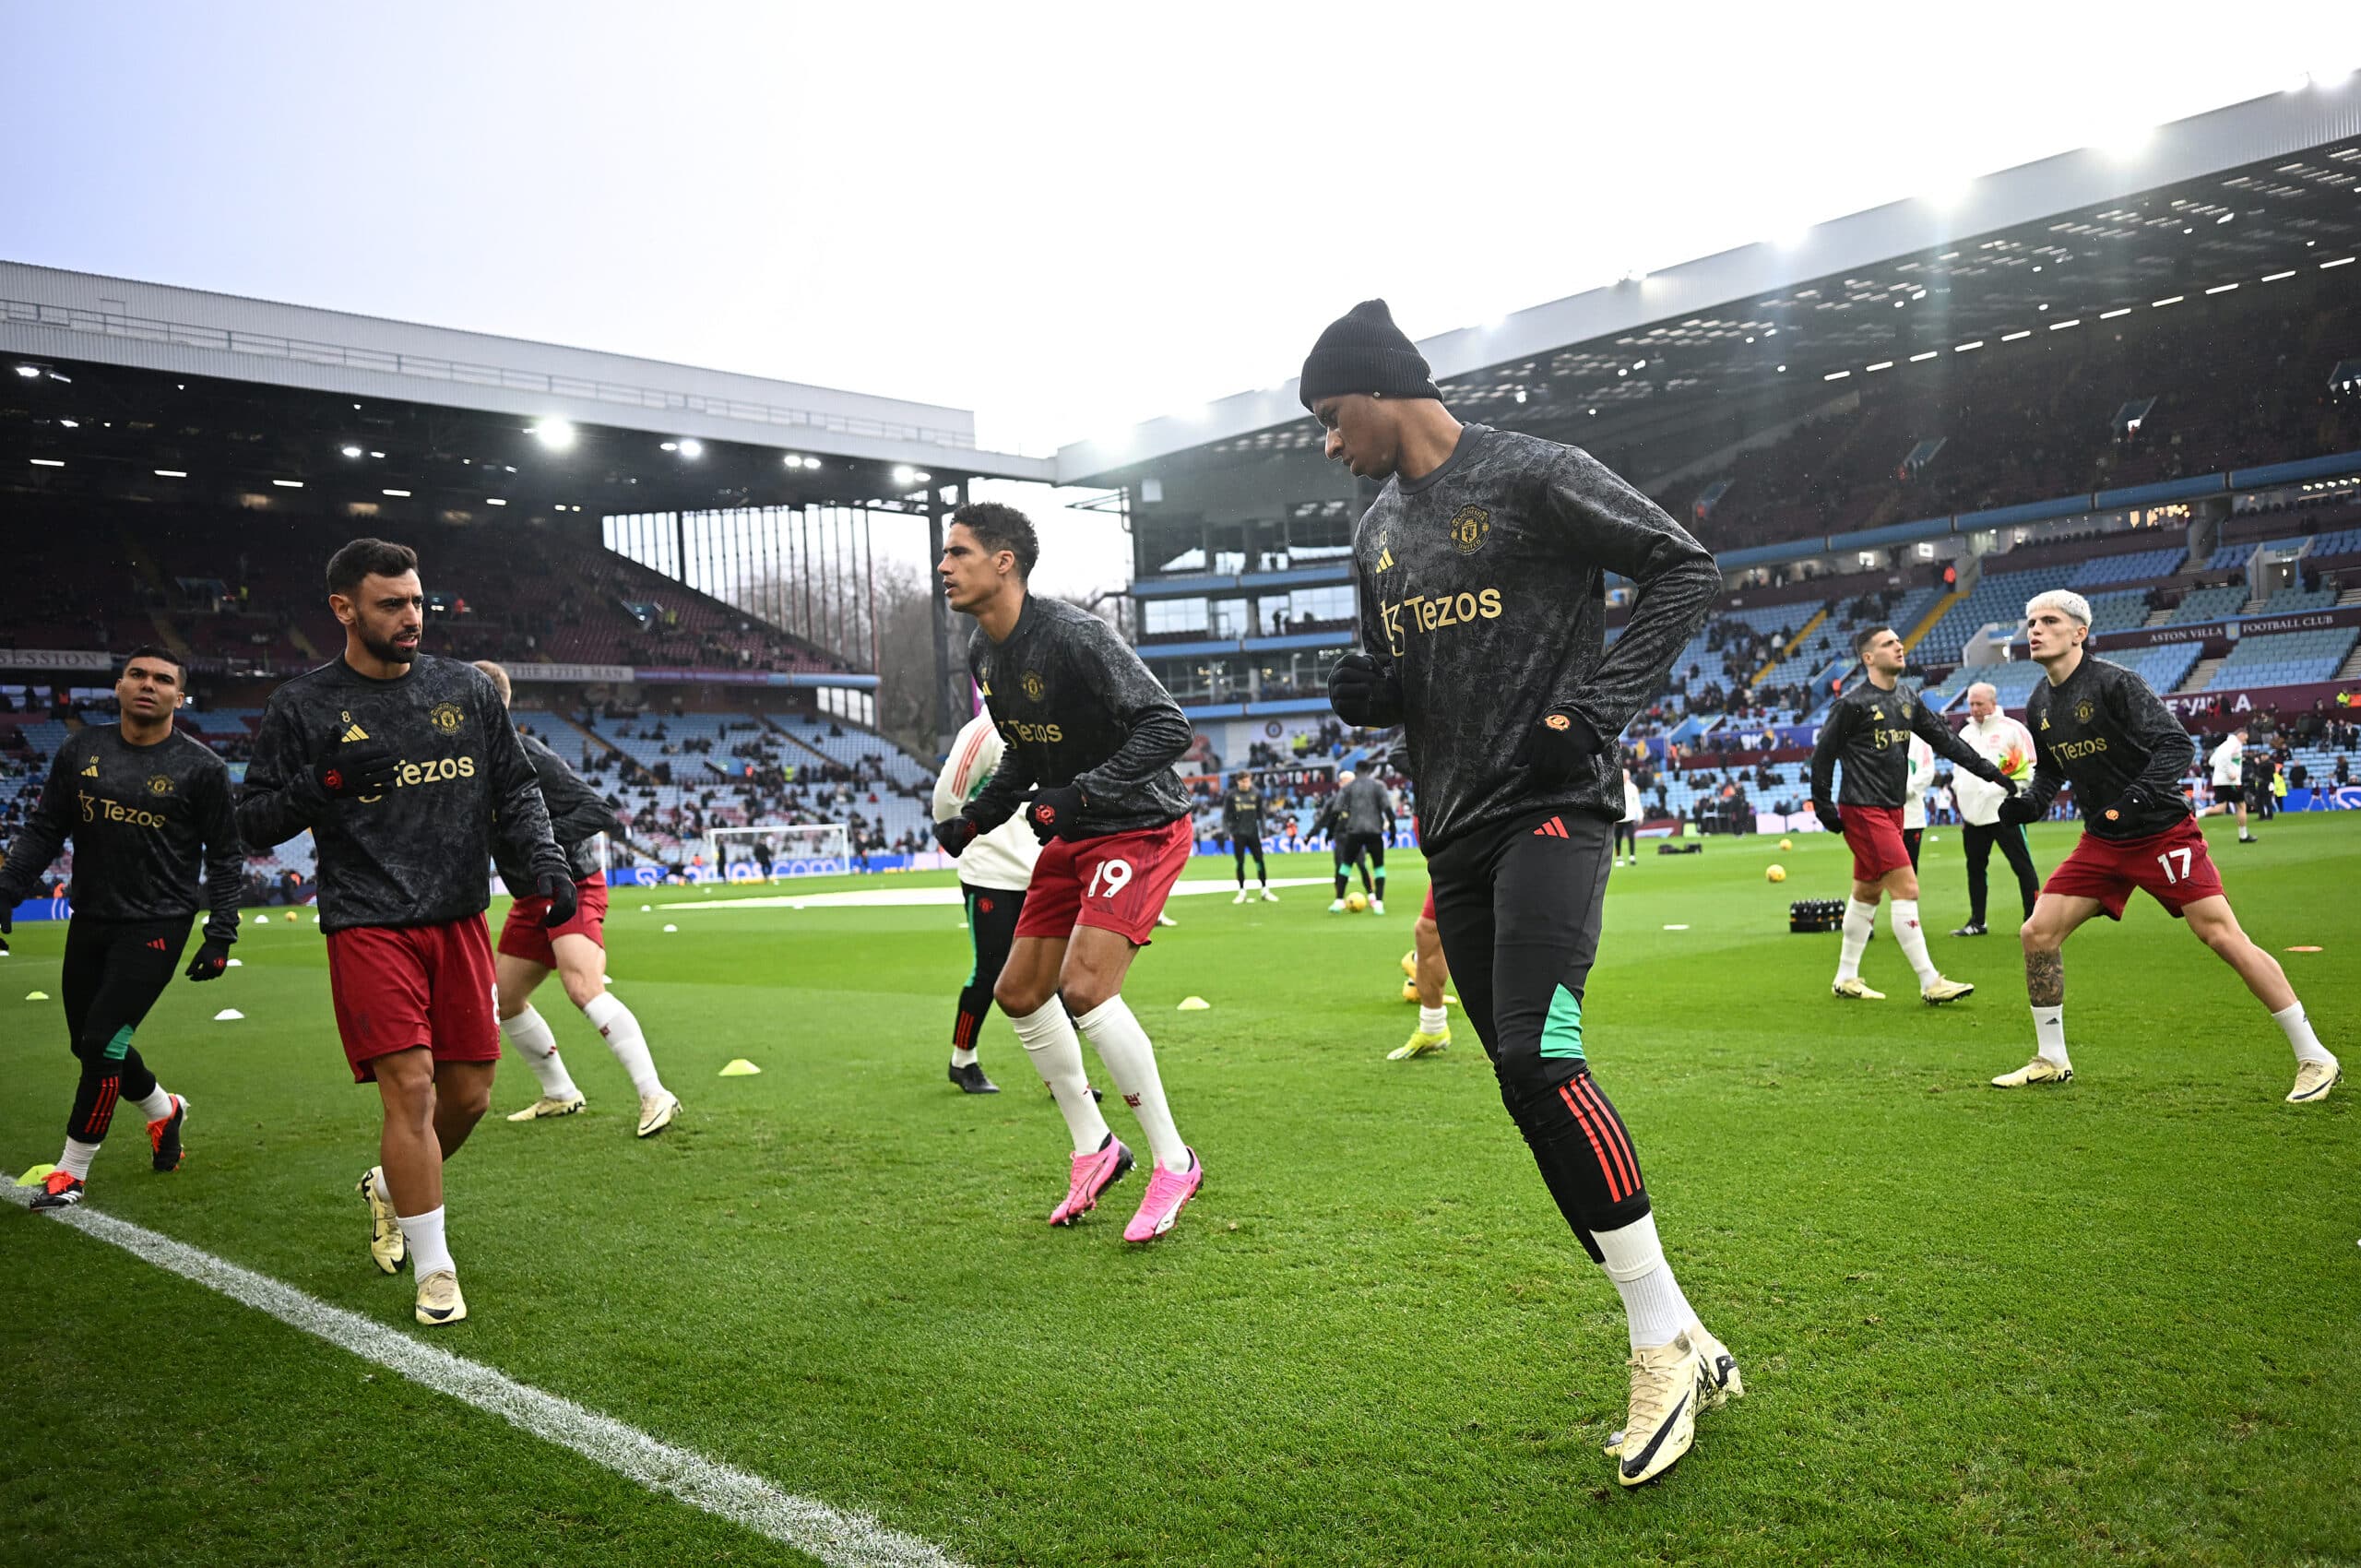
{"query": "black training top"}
pixel 139 817
pixel 1073 705
pixel 1868 731
pixel 2102 729
pixel 415 854
pixel 1242 810
pixel 1361 807
pixel 1483 586
pixel 577 816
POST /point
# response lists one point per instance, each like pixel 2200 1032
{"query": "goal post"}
pixel 814 850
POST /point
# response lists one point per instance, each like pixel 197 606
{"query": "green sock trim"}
pixel 120 1046
pixel 1562 1032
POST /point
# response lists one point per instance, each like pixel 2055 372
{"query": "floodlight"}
pixel 353 451
pixel 29 372
pixel 692 449
pixel 555 434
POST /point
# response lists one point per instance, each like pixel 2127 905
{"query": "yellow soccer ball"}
pixel 1356 902
pixel 1410 963
pixel 1776 873
pixel 1786 843
pixel 1409 992
pixel 291 916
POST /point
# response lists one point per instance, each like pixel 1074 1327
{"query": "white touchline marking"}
pixel 833 1537
pixel 908 897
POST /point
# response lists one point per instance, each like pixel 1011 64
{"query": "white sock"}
pixel 529 1033
pixel 1912 938
pixel 614 1020
pixel 1130 1061
pixel 1652 1303
pixel 1859 919
pixel 424 1232
pixel 156 1106
pixel 1432 1020
pixel 75 1161
pixel 2298 1030
pixel 2050 1034
pixel 1056 1053
pixel 961 1056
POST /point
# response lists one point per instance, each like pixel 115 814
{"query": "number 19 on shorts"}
pixel 1115 875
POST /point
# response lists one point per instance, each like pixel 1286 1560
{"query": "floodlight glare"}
pixel 905 474
pixel 29 372
pixel 692 449
pixel 353 451
pixel 555 434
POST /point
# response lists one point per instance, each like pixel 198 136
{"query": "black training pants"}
pixel 1910 837
pixel 1627 839
pixel 1518 906
pixel 1242 848
pixel 992 927
pixel 2011 837
pixel 114 972
pixel 1362 850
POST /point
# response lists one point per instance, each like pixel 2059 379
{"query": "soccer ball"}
pixel 1786 843
pixel 1410 963
pixel 1776 873
pixel 1409 992
pixel 291 916
pixel 1355 903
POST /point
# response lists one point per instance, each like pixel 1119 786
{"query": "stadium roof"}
pixel 2234 198
pixel 117 381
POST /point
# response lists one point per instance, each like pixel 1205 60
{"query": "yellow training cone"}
pixel 34 1177
pixel 1193 1005
pixel 740 1069
pixel 36 996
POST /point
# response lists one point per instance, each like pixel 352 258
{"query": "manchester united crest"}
pixel 1470 526
pixel 447 717
pixel 158 785
pixel 2083 709
pixel 1033 686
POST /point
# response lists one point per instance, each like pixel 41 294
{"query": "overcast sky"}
pixel 1066 218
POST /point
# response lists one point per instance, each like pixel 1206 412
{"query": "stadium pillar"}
pixel 951 698
pixel 2205 522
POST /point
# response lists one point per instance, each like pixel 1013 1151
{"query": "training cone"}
pixel 262 920
pixel 36 996
pixel 226 1015
pixel 742 1068
pixel 34 1176
pixel 1193 1005
pixel 237 963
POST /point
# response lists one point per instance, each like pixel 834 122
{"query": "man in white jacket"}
pixel 995 871
pixel 2003 742
pixel 1914 798
pixel 2228 764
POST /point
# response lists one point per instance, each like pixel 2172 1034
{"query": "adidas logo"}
pixel 1386 561
pixel 356 733
pixel 159 944
pixel 1553 828
pixel 92 771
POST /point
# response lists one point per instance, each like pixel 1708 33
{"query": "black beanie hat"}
pixel 1363 351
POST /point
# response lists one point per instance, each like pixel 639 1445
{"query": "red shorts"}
pixel 522 934
pixel 1428 913
pixel 2173 866
pixel 1118 882
pixel 1875 835
pixel 396 987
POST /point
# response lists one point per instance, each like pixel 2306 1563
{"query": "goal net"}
pixel 761 853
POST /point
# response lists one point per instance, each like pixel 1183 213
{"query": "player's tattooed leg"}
pixel 2045 978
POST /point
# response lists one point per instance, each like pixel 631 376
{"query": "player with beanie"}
pixel 1481 570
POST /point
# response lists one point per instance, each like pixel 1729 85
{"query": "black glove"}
pixel 955 834
pixel 1055 812
pixel 1829 816
pixel 211 960
pixel 366 769
pixel 558 888
pixel 2129 804
pixel 1558 749
pixel 1365 694
pixel 2019 808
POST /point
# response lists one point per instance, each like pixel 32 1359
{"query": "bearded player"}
pixel 406 769
pixel 532 946
pixel 2097 727
pixel 141 803
pixel 1481 571
pixel 1868 729
pixel 1093 736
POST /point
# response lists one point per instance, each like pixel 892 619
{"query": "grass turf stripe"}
pixel 831 1535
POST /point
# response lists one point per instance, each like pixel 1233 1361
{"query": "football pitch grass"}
pixel 2117 1320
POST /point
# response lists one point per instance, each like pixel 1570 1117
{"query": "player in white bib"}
pixel 995 871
